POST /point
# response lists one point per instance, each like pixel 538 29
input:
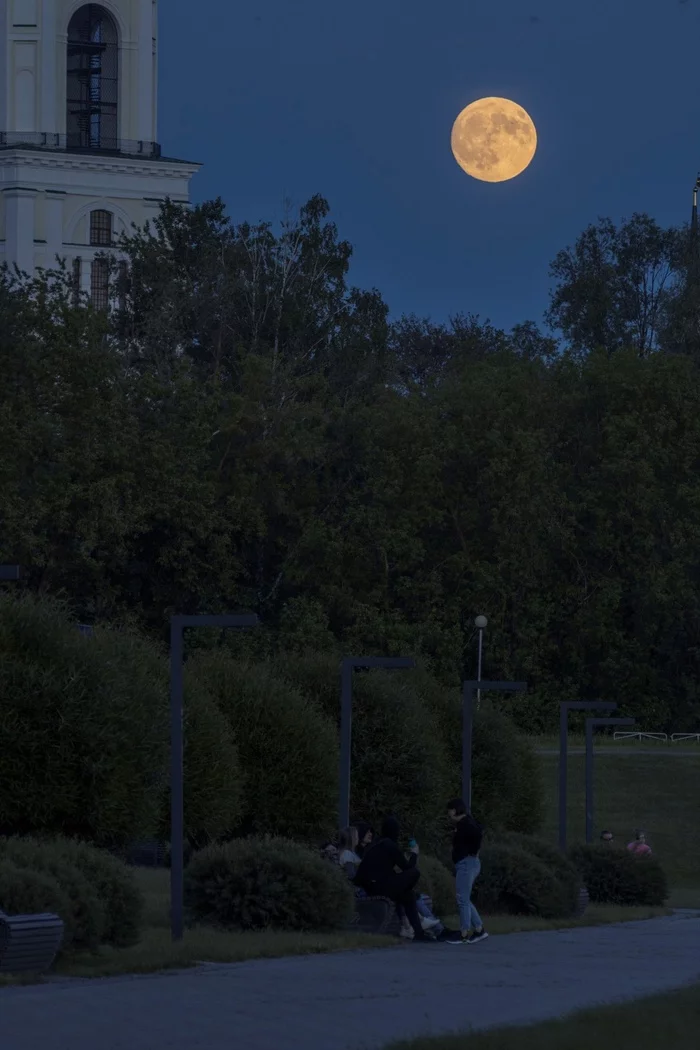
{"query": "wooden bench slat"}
pixel 29 942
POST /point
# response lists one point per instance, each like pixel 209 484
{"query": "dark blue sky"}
pixel 287 98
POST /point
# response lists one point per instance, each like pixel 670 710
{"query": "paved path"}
pixel 356 1000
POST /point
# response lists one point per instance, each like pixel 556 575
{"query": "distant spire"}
pixel 694 240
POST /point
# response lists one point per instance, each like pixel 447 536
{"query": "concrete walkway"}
pixel 356 1000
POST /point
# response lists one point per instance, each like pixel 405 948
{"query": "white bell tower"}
pixel 79 156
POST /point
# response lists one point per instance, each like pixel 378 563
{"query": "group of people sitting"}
pixel 639 845
pixel 378 867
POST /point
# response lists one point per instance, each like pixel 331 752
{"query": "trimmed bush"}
pixel 438 883
pixel 116 886
pixel 287 746
pixel 27 892
pixel 515 882
pixel 213 778
pixel 83 724
pixel 87 910
pixel 614 876
pixel 399 762
pixel 254 883
pixel 563 868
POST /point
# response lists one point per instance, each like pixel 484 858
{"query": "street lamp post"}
pixel 564 708
pixel 591 724
pixel 480 622
pixel 177 802
pixel 10 572
pixel 389 663
pixel 468 727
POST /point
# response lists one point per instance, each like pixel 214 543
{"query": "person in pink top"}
pixel 639 845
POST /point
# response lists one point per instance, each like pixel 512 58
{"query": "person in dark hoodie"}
pixel 377 875
pixel 365 834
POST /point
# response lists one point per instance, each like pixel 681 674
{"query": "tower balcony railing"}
pixel 77 144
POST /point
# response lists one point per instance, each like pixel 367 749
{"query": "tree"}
pixel 614 287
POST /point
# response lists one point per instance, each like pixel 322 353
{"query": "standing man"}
pixel 466 844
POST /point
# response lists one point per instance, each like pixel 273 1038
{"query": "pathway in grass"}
pixel 357 1000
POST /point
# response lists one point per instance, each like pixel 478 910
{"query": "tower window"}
pixel 100 228
pixel 93 80
pixel 99 284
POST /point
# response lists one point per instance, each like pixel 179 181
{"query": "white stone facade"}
pixel 78 131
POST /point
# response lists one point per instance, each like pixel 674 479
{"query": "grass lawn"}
pixel 659 793
pixel 156 951
pixel 671 1020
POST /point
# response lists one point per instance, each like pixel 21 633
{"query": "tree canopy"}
pixel 247 430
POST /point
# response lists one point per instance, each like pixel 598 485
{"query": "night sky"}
pixel 288 98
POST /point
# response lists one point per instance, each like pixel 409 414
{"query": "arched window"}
pixel 93 80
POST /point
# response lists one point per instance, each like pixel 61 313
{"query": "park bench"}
pixel 375 915
pixel 29 943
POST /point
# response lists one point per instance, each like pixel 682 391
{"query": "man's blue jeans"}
pixel 466 872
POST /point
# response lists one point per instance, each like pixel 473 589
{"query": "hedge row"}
pixel 94 893
pixel 615 876
pixel 264 882
pixel 85 730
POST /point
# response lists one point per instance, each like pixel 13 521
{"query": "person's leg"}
pixel 476 923
pixel 428 920
pixel 400 889
pixel 465 874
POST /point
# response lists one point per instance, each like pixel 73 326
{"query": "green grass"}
pixel 658 793
pixel 671 1020
pixel 156 952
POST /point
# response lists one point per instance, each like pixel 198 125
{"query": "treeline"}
pixel 245 430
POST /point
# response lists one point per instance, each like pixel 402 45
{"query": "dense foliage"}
pixel 563 868
pixel 288 747
pixel 614 876
pixel 256 883
pixel 514 881
pixel 249 431
pixel 94 893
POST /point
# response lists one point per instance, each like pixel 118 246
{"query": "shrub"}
pixel 438 883
pixel 562 867
pixel 507 787
pixel 287 746
pixel 399 763
pixel 83 724
pixel 214 781
pixel 27 892
pixel 515 882
pixel 254 883
pixel 85 924
pixel 116 886
pixel 614 876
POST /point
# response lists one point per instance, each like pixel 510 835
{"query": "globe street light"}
pixel 480 622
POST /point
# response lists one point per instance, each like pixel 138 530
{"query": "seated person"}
pixel 365 835
pixel 377 875
pixel 348 858
pixel 329 851
pixel 639 845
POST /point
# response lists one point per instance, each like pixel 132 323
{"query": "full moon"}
pixel 493 139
